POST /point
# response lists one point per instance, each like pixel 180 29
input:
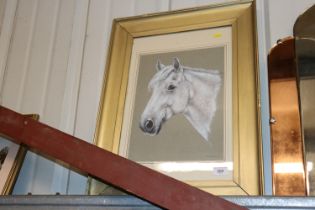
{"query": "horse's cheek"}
pixel 179 103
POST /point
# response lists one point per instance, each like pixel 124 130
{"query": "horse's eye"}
pixel 171 87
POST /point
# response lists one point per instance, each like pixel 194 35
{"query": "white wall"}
pixel 282 15
pixel 52 60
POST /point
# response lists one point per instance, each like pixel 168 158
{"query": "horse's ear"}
pixel 159 66
pixel 176 64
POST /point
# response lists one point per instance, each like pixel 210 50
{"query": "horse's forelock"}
pixel 160 76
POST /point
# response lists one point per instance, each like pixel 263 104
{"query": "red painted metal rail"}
pixel 136 179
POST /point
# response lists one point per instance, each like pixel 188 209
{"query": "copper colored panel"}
pixel 136 179
pixel 287 145
pixel 281 61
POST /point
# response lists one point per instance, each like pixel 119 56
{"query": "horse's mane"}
pixel 200 70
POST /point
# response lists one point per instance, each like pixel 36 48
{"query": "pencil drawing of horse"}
pixel 178 89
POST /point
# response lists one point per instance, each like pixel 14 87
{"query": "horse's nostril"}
pixel 149 124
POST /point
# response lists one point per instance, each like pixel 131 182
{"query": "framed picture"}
pixel 11 160
pixel 180 96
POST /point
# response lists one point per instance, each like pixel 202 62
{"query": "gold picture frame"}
pixel 239 18
pixel 12 162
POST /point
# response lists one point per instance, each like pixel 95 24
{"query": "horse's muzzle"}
pixel 148 126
